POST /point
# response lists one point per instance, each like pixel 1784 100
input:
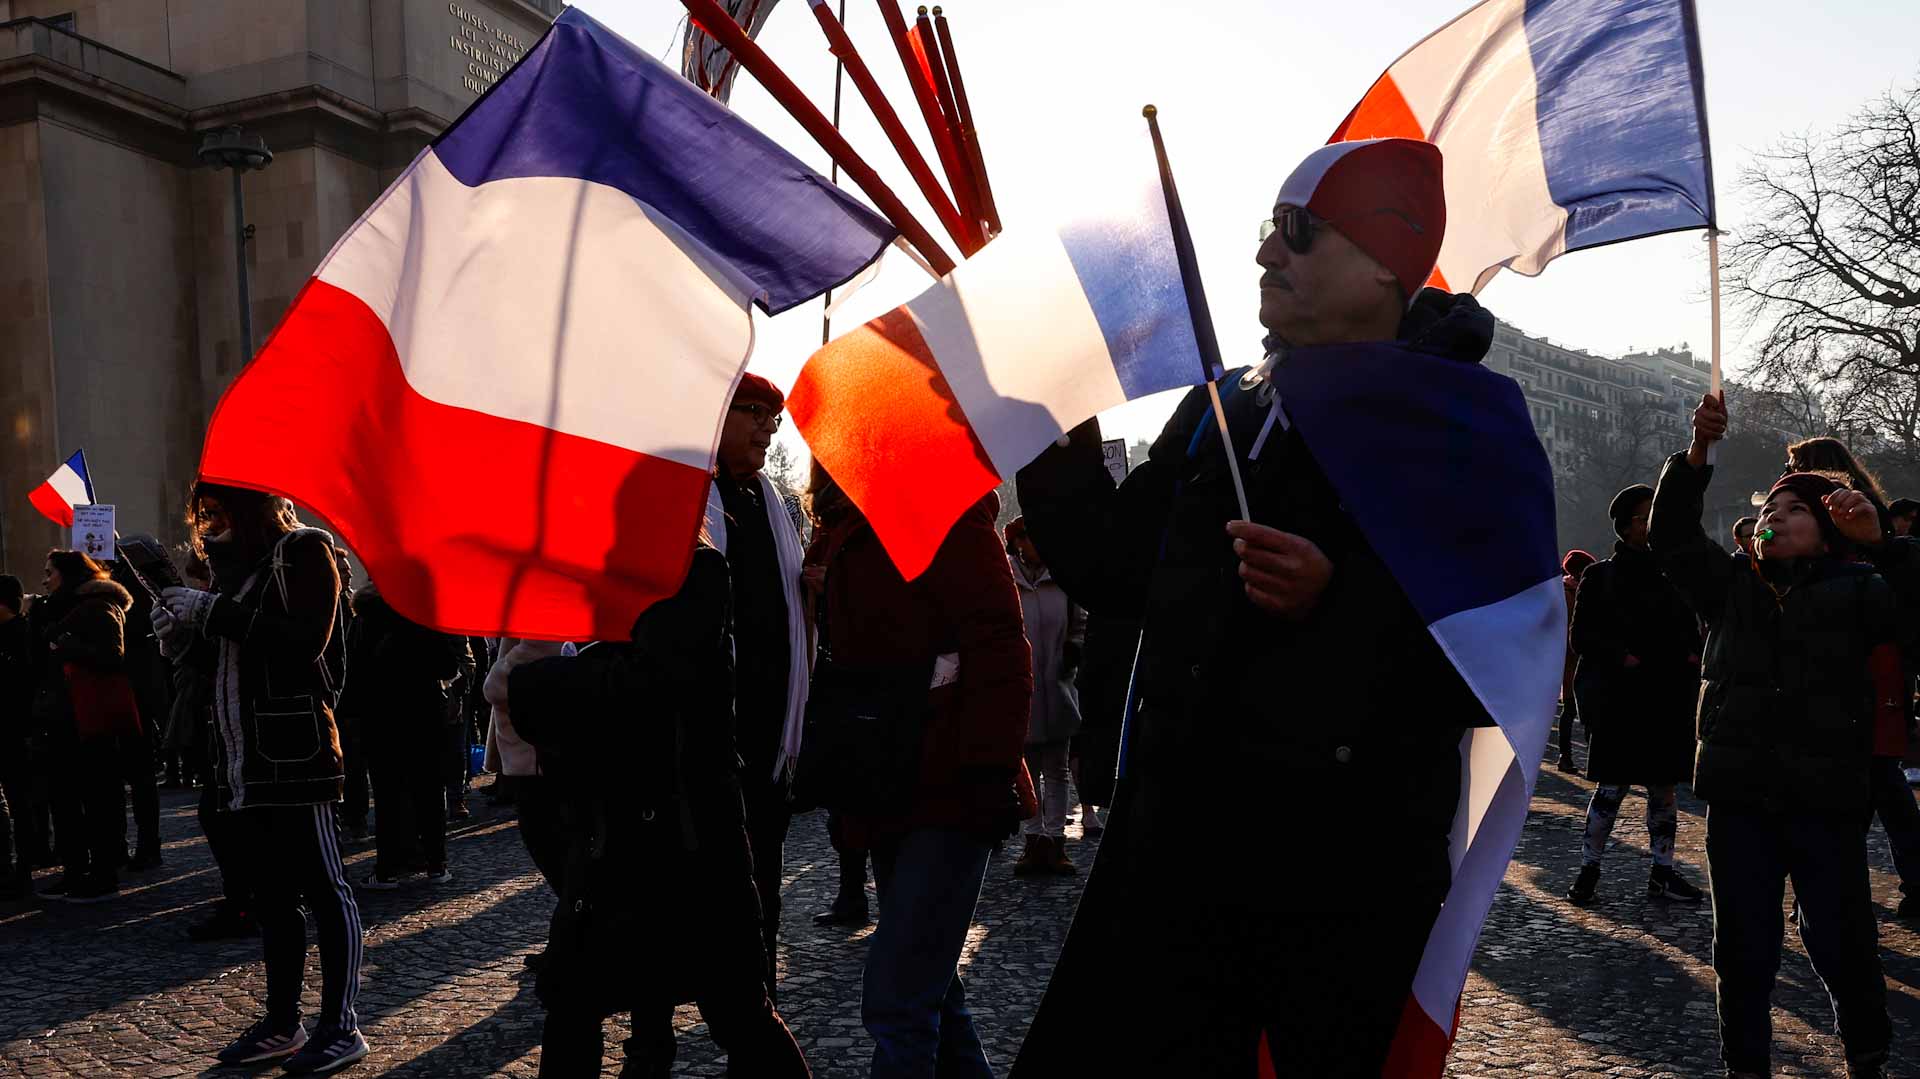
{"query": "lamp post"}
pixel 232 148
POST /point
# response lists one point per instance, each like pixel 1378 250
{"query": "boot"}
pixel 1581 893
pixel 1036 858
pixel 1566 764
pixel 1058 863
pixel 1664 883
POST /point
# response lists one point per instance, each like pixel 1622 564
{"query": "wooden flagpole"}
pixel 921 79
pixel 839 69
pixel 927 42
pixel 1714 385
pixel 1196 304
pixel 715 21
pixel 883 111
pixel 969 135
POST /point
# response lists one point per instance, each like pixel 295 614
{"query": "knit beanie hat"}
pixel 1624 503
pixel 1812 487
pixel 755 388
pixel 1385 195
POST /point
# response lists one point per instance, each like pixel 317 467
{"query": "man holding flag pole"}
pixel 1284 642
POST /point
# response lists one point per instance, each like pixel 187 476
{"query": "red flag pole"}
pixel 969 135
pixel 927 43
pixel 842 48
pixel 718 23
pixel 921 79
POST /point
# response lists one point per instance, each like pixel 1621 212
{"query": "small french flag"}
pixel 920 412
pixel 69 486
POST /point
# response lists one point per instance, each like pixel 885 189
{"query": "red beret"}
pixel 754 388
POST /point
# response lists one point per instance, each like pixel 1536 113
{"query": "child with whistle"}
pixel 1785 725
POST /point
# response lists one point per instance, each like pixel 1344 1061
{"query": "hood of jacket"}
pixel 106 590
pixel 1448 324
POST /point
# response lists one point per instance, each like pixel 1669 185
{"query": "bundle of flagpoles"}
pixel 965 205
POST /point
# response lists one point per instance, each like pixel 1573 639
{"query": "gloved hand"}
pixel 173 637
pixel 187 606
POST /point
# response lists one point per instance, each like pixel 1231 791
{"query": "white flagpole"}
pixel 1713 377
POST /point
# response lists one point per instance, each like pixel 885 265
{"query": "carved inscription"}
pixel 488 48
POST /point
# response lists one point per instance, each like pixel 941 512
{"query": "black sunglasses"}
pixel 1297 225
pixel 762 415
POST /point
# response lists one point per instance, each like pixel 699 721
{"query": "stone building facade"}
pixel 119 326
pixel 1576 397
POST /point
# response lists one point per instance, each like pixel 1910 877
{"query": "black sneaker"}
pixel 1665 883
pixel 330 1050
pixel 1584 885
pixel 58 886
pixel 93 891
pixel 264 1041
pixel 1566 764
pixel 146 859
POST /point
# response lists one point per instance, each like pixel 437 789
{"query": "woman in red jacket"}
pixel 964 615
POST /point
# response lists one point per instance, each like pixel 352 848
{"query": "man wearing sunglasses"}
pixel 1278 851
pixel 751 527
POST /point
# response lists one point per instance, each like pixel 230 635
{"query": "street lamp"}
pixel 232 148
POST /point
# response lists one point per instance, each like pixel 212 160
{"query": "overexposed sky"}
pixel 1248 87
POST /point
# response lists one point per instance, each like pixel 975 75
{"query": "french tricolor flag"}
pixel 505 384
pixel 1566 124
pixel 1484 576
pixel 69 486
pixel 922 411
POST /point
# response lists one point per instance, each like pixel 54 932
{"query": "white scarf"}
pixel 786 542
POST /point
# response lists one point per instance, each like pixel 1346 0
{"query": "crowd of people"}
pixel 1255 678
pixel 1778 679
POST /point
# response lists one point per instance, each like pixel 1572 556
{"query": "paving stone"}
pixel 1622 989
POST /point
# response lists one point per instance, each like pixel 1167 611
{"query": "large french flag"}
pixel 922 411
pixel 1484 575
pixel 69 486
pixel 1566 124
pixel 505 383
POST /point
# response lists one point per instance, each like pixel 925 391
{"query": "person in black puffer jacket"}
pixel 657 899
pixel 1639 649
pixel 1787 707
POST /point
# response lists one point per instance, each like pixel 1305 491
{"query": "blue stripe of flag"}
pixel 1439 465
pixel 585 103
pixel 1127 267
pixel 78 462
pixel 1622 116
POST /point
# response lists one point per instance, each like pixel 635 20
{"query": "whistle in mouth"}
pixel 1764 534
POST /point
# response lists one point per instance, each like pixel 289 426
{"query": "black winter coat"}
pixel 1244 717
pixel 1786 702
pixel 274 653
pixel 1639 719
pixel 401 676
pixel 1105 669
pixel 658 902
pixel 1340 732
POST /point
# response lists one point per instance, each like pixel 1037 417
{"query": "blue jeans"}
pixel 913 1002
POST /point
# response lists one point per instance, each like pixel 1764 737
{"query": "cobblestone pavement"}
pixel 1620 989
